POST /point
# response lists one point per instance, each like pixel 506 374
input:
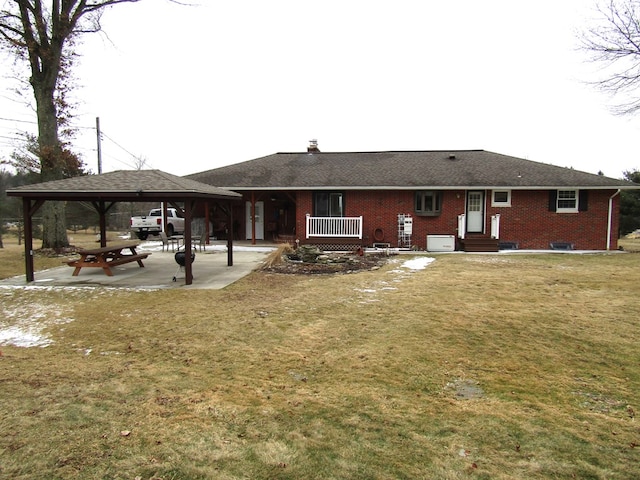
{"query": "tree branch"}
pixel 615 45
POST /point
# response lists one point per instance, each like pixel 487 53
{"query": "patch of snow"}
pixel 25 325
pixel 418 263
pixel 23 336
pixel 24 322
pixel 406 269
pixel 156 246
pixel 76 288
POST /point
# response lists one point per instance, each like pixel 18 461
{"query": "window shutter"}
pixel 583 197
pixel 553 200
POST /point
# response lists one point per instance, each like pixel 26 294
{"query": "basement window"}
pixel 428 202
pixel 501 198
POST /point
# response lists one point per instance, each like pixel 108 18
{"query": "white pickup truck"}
pixel 151 224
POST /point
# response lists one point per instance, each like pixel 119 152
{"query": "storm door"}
pixel 259 221
pixel 475 211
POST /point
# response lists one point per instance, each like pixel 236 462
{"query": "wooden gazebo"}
pixel 105 190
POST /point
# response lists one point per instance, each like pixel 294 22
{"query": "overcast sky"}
pixel 194 88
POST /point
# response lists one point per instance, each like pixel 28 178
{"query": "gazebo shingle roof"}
pixel 413 169
pixel 125 183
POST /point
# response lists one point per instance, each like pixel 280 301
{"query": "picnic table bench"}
pixel 107 257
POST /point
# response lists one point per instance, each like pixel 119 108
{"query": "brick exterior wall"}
pixel 528 221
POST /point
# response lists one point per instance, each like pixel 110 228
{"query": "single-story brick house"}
pixel 434 200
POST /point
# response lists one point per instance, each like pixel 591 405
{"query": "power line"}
pixel 118 145
pixel 18 137
pixel 81 128
pixel 19 121
pixel 31 122
pixel 123 162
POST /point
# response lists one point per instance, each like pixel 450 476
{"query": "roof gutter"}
pixel 610 219
pixel 241 188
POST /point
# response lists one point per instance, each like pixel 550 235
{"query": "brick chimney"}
pixel 313 146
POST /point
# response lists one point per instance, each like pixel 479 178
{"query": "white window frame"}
pixel 565 209
pixel 495 203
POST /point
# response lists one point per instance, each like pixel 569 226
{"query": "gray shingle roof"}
pixel 125 183
pixel 414 169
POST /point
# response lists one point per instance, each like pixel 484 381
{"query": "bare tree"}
pixel 140 162
pixel 43 36
pixel 614 44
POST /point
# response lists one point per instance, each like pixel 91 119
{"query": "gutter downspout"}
pixel 610 219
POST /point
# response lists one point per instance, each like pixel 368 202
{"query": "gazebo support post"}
pixel 28 239
pixel 28 210
pixel 102 210
pixel 230 235
pixel 207 230
pixel 253 217
pixel 188 270
pixel 227 209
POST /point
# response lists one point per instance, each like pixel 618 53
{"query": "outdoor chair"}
pixel 165 241
pixel 197 242
pixel 220 231
pixel 202 243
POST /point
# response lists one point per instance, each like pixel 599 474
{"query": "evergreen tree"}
pixel 630 205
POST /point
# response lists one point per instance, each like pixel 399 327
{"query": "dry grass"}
pixel 275 257
pixel 630 244
pixel 479 366
pixel 12 254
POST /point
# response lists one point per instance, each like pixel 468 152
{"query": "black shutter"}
pixel 583 200
pixel 553 200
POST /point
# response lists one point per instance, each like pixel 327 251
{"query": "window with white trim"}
pixel 567 201
pixel 501 198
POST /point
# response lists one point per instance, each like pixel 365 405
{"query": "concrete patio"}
pixel 210 270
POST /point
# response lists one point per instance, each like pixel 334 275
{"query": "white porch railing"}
pixel 462 225
pixel 342 227
pixel 495 226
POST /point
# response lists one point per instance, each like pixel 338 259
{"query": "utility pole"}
pixel 99 145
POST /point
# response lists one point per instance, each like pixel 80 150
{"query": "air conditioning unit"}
pixel 441 243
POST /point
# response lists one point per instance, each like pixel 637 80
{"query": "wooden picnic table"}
pixel 107 257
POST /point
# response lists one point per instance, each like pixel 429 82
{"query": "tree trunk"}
pixel 47 35
pixel 54 225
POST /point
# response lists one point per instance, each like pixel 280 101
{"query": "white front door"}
pixel 475 211
pixel 259 221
